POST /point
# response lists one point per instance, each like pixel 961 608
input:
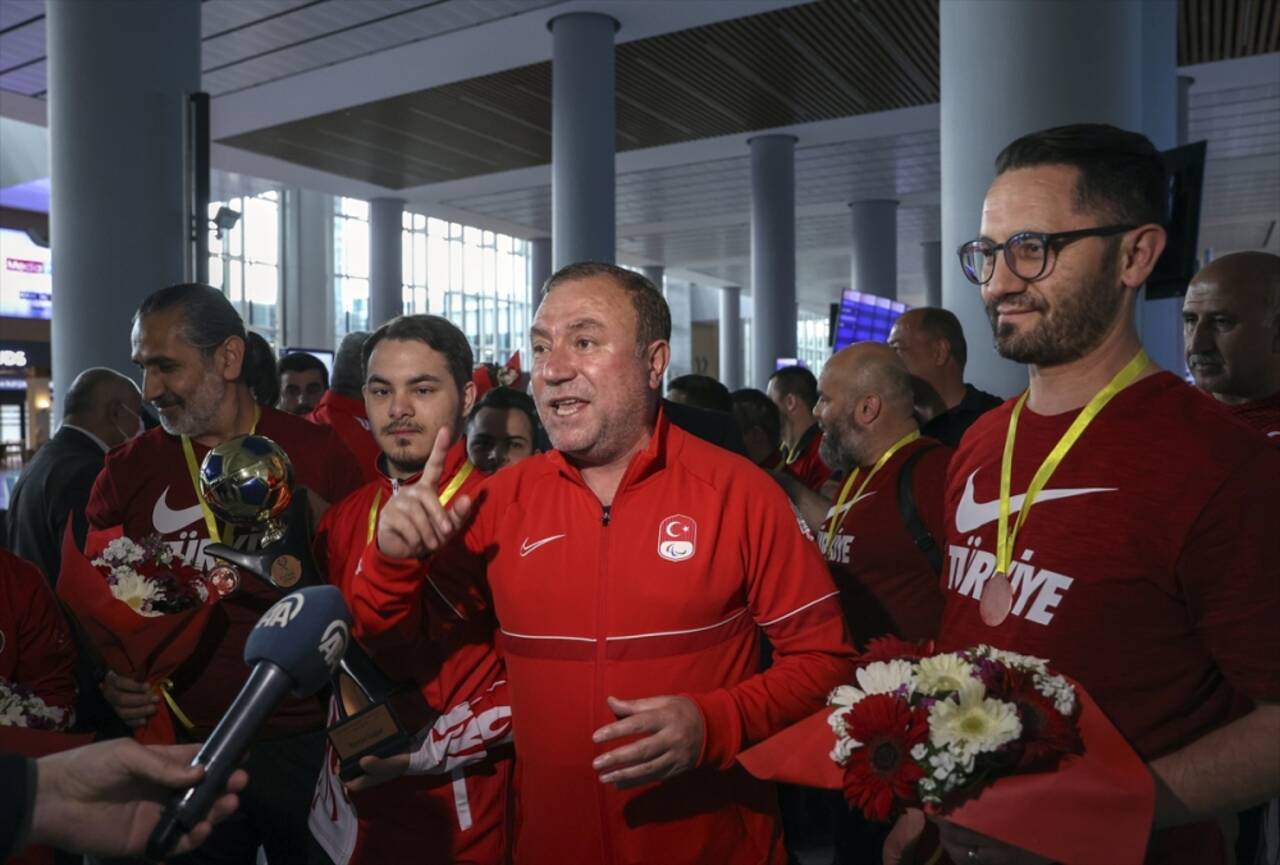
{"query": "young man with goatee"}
pixel 1140 554
pixel 634 570
pixel 455 810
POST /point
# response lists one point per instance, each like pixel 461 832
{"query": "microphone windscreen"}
pixel 305 634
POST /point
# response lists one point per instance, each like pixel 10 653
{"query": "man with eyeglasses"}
pixel 1140 555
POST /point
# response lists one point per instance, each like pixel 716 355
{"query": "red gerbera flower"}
pixel 1047 735
pixel 881 776
pixel 890 648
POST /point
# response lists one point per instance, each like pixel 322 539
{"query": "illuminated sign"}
pixel 10 358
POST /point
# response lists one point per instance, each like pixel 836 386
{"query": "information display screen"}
pixel 863 317
pixel 26 279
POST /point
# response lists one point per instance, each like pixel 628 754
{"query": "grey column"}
pixel 1184 108
pixel 386 264
pixel 582 138
pixel 874 250
pixel 773 253
pixel 119 75
pixel 308 249
pixel 1019 67
pixel 931 262
pixel 731 337
pixel 655 273
pixel 539 268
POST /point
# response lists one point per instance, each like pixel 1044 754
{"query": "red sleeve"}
pixel 46 655
pixel 793 600
pixel 1229 571
pixel 343 476
pixel 103 509
pixel 465 734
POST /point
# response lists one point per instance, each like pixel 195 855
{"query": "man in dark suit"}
pixel 102 409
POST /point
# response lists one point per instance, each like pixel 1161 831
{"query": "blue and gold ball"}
pixel 247 480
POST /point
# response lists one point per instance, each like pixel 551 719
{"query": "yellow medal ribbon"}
pixel 450 490
pixel 1006 537
pixel 193 469
pixel 848 484
pixel 166 687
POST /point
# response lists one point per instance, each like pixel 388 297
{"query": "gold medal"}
pixel 286 571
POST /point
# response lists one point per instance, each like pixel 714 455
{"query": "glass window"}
pixel 245 261
pixel 811 340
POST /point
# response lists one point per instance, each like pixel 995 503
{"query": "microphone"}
pixel 293 649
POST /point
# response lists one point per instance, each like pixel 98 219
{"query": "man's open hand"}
pixel 414 524
pixel 675 734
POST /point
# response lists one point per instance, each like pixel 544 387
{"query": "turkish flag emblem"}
pixel 677 538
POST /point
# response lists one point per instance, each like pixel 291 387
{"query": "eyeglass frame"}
pixel 1057 239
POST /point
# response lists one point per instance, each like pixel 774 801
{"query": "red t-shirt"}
pixel 1261 414
pixel 146 487
pixel 35 643
pixel 804 462
pixel 1148 569
pixel 347 418
pixel 886 583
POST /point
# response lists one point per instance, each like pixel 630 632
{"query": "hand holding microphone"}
pixel 293 649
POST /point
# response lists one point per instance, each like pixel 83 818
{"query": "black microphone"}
pixel 293 649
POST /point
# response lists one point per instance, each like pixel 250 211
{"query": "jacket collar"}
pixel 663 445
pixel 453 461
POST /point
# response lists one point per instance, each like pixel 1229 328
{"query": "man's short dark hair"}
pixel 938 323
pixel 300 361
pixel 752 408
pixel 1121 173
pixel 348 365
pixel 653 316
pixel 799 381
pixel 702 391
pixel 508 399
pixel 88 389
pixel 207 320
pixel 438 333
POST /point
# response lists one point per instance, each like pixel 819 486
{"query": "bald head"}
pixel 1231 326
pixel 864 404
pixel 104 402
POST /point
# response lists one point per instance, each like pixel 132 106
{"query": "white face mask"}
pixel 125 435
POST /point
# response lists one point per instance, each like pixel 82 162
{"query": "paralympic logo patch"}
pixel 677 538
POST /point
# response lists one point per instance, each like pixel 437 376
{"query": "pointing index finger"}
pixel 435 463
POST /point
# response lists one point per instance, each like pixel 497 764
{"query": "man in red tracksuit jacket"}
pixel 633 570
pixel 342 406
pixel 417 384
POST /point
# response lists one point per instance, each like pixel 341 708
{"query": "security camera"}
pixel 224 220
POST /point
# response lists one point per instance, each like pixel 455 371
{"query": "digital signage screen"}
pixel 26 280
pixel 861 317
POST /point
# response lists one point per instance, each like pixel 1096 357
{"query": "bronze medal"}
pixel 996 600
pixel 224 579
pixel 286 571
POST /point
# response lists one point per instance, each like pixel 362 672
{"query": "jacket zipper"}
pixel 602 645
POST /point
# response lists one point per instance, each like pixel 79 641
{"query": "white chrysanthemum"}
pixel 1057 689
pixel 123 551
pixel 836 720
pixel 973 723
pixel 136 591
pixel 887 677
pixel 845 746
pixel 942 673
pixel 844 695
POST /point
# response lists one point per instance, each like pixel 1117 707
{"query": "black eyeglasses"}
pixel 1026 253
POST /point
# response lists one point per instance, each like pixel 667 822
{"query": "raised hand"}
pixel 414 524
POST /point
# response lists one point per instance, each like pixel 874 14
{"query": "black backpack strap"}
pixel 924 541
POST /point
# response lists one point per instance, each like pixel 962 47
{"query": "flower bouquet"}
pixel 141 607
pixel 990 740
pixel 30 726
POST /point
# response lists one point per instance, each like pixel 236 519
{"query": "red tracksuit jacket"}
pixel 459 815
pixel 667 592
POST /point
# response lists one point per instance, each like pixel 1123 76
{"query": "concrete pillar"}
pixel 874 249
pixel 539 268
pixel 308 251
pixel 1183 109
pixel 1019 67
pixel 386 264
pixel 731 337
pixel 679 301
pixel 655 273
pixel 931 261
pixel 773 253
pixel 582 138
pixel 119 73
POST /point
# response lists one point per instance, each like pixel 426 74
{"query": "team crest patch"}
pixel 677 538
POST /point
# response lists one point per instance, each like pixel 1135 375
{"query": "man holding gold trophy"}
pixel 190 344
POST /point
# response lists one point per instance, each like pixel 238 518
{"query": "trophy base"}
pixel 381 729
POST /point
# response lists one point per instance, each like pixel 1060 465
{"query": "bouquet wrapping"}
pixel 141 608
pixel 993 741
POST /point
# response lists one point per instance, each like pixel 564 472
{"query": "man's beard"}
pixel 1066 332
pixel 837 454
pixel 197 415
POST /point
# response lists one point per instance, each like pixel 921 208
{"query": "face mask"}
pixel 141 428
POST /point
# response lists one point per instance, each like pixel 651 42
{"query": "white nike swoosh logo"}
pixel 971 514
pixel 167 521
pixel 845 507
pixel 526 547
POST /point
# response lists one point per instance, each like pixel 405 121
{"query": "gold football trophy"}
pixel 247 481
